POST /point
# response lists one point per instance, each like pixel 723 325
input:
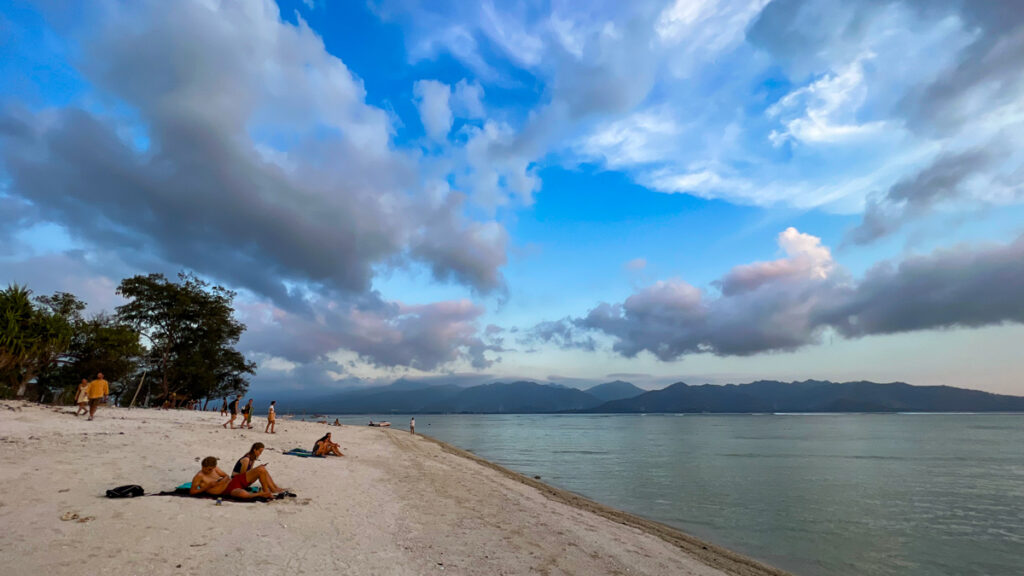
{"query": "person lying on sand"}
pixel 212 480
pixel 380 424
pixel 324 447
pixel 246 467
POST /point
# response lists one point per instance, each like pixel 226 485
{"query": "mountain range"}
pixel 523 397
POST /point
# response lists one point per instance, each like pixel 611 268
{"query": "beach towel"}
pixel 184 488
pixel 302 453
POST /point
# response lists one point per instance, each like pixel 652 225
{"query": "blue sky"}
pixel 700 190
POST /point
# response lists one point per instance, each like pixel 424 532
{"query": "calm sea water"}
pixel 898 494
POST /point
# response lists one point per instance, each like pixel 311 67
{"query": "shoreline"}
pixel 396 504
pixel 728 561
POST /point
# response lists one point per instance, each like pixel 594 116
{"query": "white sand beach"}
pixel 396 504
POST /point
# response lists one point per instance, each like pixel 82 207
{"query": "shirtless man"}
pixel 212 480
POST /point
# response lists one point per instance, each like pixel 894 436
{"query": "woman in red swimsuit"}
pixel 245 473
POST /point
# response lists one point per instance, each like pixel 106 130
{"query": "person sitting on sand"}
pixel 212 480
pixel 246 467
pixel 324 447
pixel 336 422
pixel 82 398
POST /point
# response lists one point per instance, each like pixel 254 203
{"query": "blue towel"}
pixel 301 453
pixel 188 486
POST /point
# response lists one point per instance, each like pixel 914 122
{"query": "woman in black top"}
pixel 324 447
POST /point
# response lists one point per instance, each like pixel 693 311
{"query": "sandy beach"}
pixel 396 504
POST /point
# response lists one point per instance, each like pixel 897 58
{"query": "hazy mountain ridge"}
pixel 617 390
pixel 524 397
pixel 813 396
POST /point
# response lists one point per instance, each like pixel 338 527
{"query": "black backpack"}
pixel 129 491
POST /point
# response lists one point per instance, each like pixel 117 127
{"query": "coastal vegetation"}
pixel 170 341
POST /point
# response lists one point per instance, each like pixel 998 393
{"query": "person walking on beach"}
pixel 82 398
pixel 224 408
pixel 247 415
pixel 233 407
pixel 98 392
pixel 412 425
pixel 271 418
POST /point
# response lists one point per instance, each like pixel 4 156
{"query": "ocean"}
pixel 836 494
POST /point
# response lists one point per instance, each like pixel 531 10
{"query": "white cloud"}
pixel 435 112
pixel 467 99
pixel 826 109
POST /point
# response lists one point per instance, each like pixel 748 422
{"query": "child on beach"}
pixel 271 418
pixel 82 397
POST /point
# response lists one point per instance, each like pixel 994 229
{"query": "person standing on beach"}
pixel 82 397
pixel 224 408
pixel 412 425
pixel 271 418
pixel 234 412
pixel 98 392
pixel 247 415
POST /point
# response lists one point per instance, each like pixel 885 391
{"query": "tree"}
pixel 33 338
pixel 101 344
pixel 191 330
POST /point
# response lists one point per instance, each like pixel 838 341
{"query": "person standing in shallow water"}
pixel 412 425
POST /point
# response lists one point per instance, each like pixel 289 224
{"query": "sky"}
pixel 708 191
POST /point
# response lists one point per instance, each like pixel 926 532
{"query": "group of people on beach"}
pixel 247 411
pixel 91 394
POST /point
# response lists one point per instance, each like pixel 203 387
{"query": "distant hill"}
pixel 617 390
pixel 516 398
pixel 813 396
pixel 762 396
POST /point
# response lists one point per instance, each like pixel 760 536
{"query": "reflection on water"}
pixel 825 494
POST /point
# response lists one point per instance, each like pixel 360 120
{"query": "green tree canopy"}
pixel 33 338
pixel 192 330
